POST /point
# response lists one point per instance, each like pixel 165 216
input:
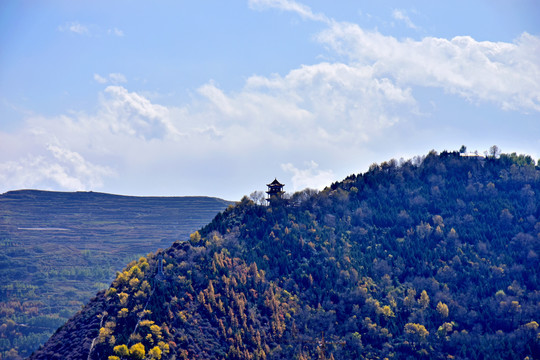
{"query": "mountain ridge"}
pixel 102 194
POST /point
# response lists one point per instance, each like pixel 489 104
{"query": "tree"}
pixel 123 313
pixel 137 351
pixel 104 334
pixel 258 197
pixel 195 238
pixel 416 332
pixel 121 350
pixel 155 353
pixel 123 297
pixel 156 330
pixel 424 300
pixel 409 300
pixel 442 309
pixel 494 152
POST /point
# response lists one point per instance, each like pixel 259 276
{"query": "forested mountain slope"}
pixel 59 248
pixel 434 258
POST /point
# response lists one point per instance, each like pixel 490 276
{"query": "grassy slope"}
pixel 46 275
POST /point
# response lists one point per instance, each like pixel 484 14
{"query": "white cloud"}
pixel 76 172
pixel 54 168
pixel 324 103
pixel 113 78
pixel 402 16
pixel 134 115
pixel 74 27
pixel 117 78
pixel 507 74
pixel 222 103
pixel 311 109
pixel 100 79
pixel 311 177
pixel 81 151
pixel 289 5
pixel 80 29
pixel 116 32
pixel 338 101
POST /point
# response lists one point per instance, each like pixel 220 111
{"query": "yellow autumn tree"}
pixel 156 330
pixel 155 353
pixel 416 332
pixel 195 238
pixel 137 351
pixel 123 297
pixel 121 350
pixel 123 313
pixel 442 309
pixel 424 300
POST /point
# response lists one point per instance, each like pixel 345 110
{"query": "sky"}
pixel 218 98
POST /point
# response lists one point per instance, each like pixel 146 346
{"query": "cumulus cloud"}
pixel 335 100
pixel 58 149
pixel 323 103
pixel 124 112
pixel 507 74
pixel 310 177
pixel 54 168
pixel 310 109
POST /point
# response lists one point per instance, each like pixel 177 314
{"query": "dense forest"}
pixel 436 257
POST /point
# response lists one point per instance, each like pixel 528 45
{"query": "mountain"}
pixel 432 258
pixel 59 249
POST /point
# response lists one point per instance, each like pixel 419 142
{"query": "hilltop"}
pixel 435 258
pixel 60 248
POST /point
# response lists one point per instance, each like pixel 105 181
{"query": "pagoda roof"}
pixel 275 183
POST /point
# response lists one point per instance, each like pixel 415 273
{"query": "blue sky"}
pixel 218 98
